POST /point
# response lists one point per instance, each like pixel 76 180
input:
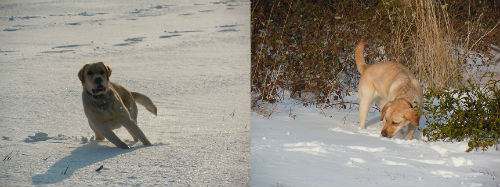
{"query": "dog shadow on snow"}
pixel 81 157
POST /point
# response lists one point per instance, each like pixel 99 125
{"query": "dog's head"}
pixel 95 77
pixel 396 115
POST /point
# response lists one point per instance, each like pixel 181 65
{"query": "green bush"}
pixel 469 113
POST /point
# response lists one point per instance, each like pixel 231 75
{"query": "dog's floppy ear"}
pixel 386 106
pixel 108 70
pixel 413 116
pixel 80 73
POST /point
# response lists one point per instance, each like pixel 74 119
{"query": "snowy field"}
pixel 307 146
pixel 190 57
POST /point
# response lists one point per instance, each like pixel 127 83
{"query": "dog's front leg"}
pixel 111 136
pixel 411 130
pixel 98 135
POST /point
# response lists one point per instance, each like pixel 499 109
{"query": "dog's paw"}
pixel 125 147
pixel 147 143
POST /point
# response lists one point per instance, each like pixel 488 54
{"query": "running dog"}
pixel 109 105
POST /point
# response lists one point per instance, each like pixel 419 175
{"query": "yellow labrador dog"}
pixel 392 87
pixel 109 105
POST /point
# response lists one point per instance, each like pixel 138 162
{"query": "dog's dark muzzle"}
pixel 98 80
pixel 99 88
pixel 384 133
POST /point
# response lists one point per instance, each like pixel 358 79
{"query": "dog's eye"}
pixel 101 72
pixel 90 73
pixel 394 123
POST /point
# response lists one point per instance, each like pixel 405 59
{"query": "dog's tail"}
pixel 358 56
pixel 144 101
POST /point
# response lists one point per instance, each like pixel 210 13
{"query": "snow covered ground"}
pixel 190 57
pixel 306 146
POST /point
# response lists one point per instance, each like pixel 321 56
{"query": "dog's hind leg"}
pixel 133 114
pixel 365 101
pixel 364 106
pixel 111 136
pixel 135 131
pixel 133 136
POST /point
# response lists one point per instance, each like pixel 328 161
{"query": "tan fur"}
pixel 394 89
pixel 109 105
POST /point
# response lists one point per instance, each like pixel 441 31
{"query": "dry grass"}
pixel 435 59
pixel 433 44
pixel 422 39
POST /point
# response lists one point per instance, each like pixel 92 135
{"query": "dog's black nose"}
pixel 98 80
pixel 384 133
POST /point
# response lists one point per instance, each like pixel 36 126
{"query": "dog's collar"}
pixel 101 101
pixel 94 96
pixel 409 103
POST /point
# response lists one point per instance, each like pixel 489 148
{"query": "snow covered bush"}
pixel 470 113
